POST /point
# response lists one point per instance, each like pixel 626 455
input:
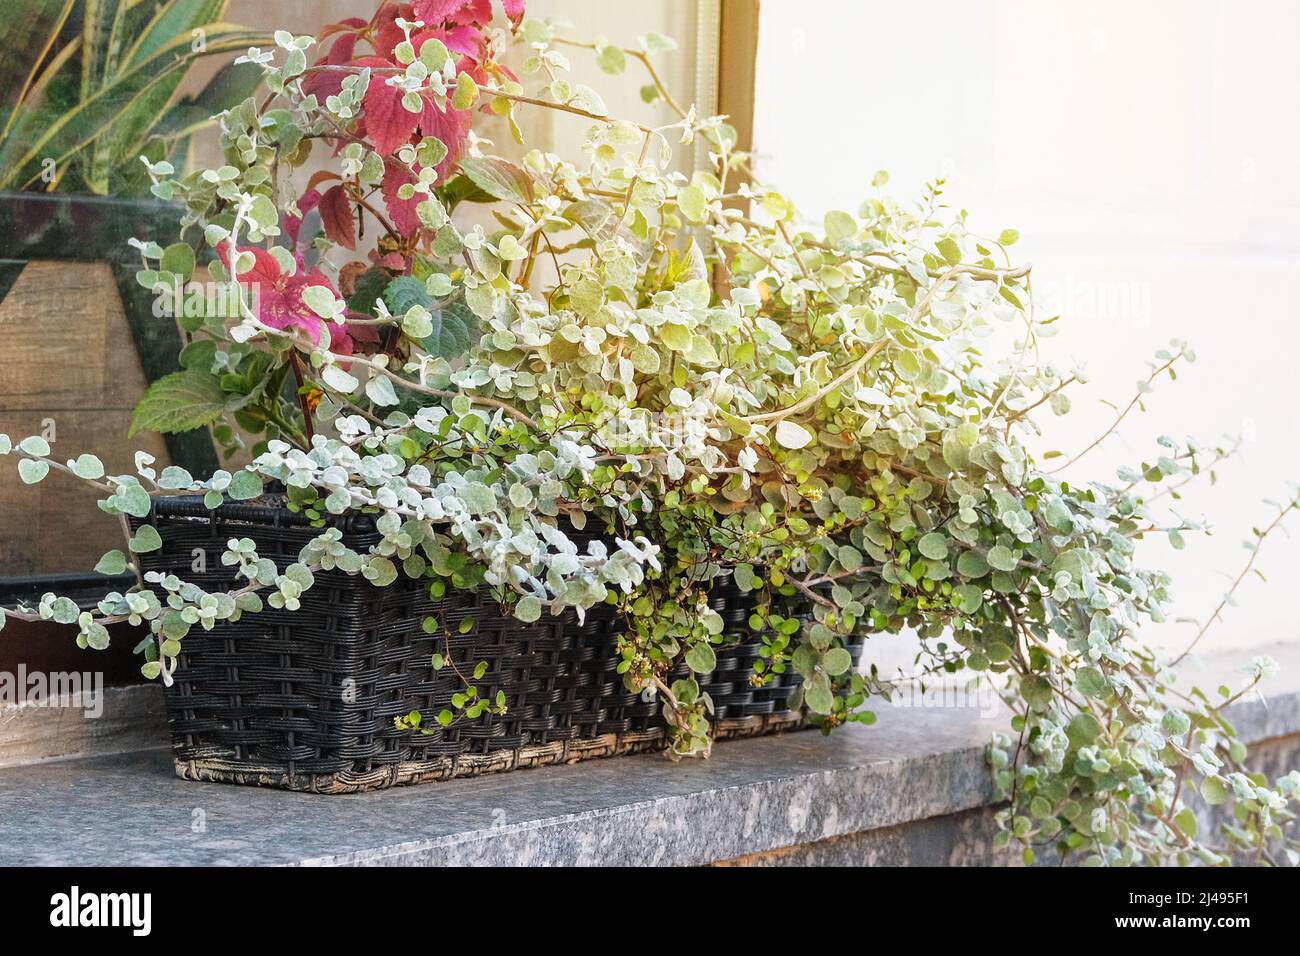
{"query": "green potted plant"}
pixel 90 88
pixel 628 468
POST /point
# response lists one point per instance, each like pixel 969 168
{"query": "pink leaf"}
pixel 514 10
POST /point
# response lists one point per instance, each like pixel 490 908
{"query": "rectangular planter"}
pixel 305 700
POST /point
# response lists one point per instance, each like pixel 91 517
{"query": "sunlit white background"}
pixel 1147 152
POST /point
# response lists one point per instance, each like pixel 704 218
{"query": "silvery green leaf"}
pixel 792 435
pixel 379 389
pixel 478 498
pixel 528 609
pixel 339 380
pixel 321 300
pixel 31 471
pixel 65 611
pixel 837 661
pixel 87 466
pixel 244 486
pixel 133 500
pixel 96 636
pixel 933 546
pixel 114 562
pixel 174 478
pixel 1001 558
pixel 146 539
pixel 35 445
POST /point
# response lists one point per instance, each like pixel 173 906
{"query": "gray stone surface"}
pixel 752 795
pixel 966 838
pixel 751 798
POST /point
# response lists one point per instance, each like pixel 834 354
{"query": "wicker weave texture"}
pixel 305 700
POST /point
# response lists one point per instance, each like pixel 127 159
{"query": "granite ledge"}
pixel 751 797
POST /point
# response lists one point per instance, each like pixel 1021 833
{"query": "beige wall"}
pixel 1146 152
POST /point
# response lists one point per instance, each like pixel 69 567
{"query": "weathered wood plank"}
pixel 69 371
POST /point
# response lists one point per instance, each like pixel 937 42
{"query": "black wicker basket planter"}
pixel 305 700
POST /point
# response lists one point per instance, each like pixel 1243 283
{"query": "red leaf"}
pixel 386 34
pixel 323 83
pixel 401 212
pixel 388 123
pixel 265 267
pixel 350 25
pixel 336 217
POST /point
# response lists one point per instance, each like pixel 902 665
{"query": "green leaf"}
pixel 1009 237
pixel 179 402
pixel 123 108
pixel 509 249
pixel 817 695
pixel 465 94
pixel 1001 558
pixel 701 658
pixel 178 258
pixel 134 500
pixel 32 471
pixel 676 336
pixel 244 486
pixel 528 608
pixel 1175 723
pixel 839 226
pixel 611 59
pixel 65 611
pixel 837 661
pixel 97 637
pixel 114 562
pixel 498 178
pixel 35 445
pixel 454 326
pixel 950 250
pixel 455 331
pixel 1214 791
pixel 1091 682
pixel 339 380
pixel 146 539
pixel 692 203
pixel 933 546
pixel 88 467
pixel 971 564
pixel 969 597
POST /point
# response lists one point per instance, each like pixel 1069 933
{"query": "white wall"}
pixel 1146 151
